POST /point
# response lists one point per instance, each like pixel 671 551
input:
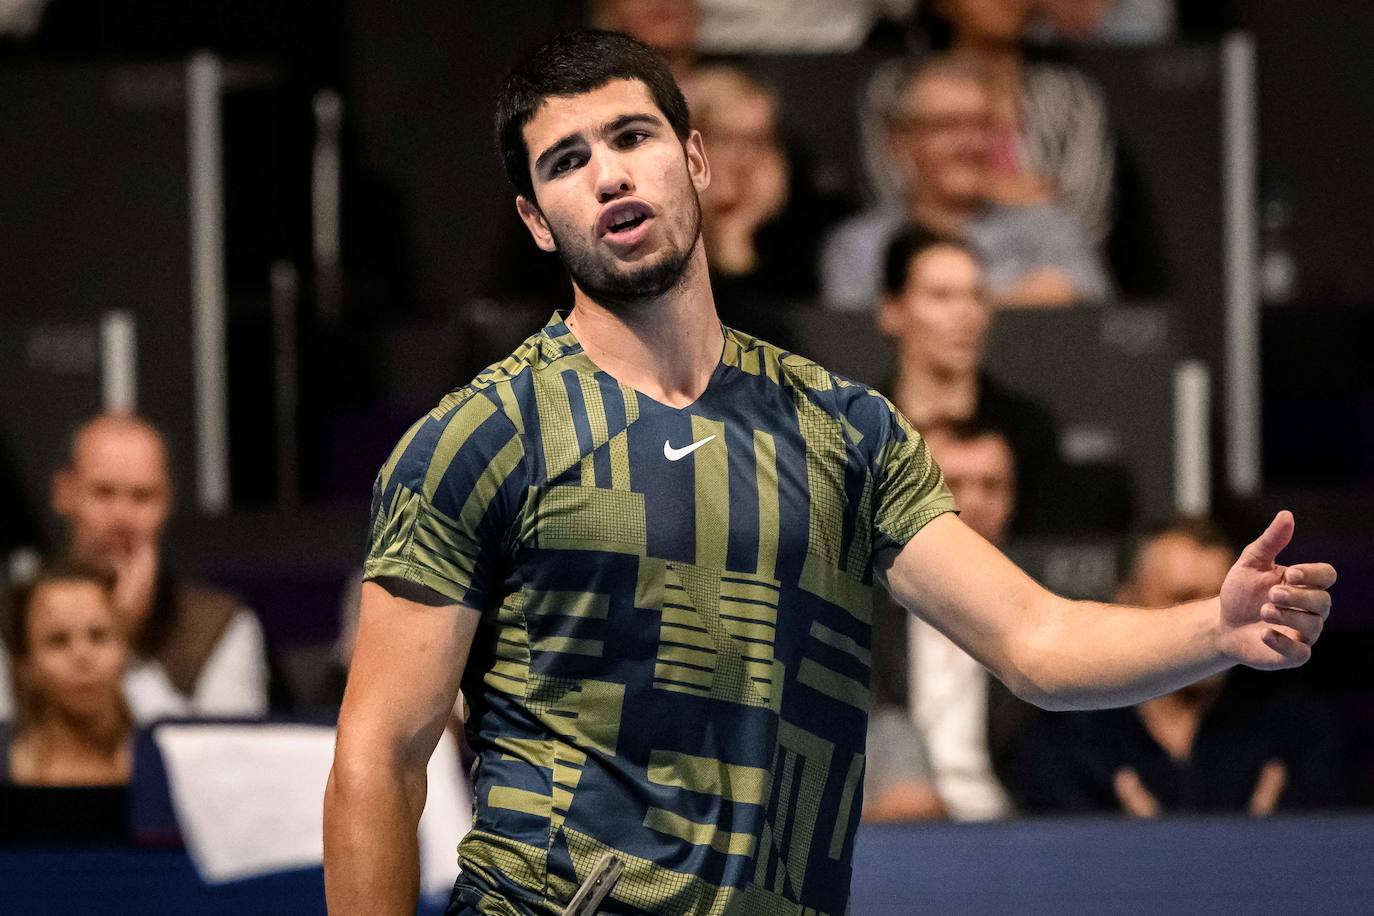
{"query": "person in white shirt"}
pixel 196 652
pixel 945 691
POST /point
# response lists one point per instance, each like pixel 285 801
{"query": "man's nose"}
pixel 612 178
pixel 83 656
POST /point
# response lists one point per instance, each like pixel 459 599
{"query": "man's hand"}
pixel 1271 615
pixel 1137 801
pixel 1273 779
pixel 135 581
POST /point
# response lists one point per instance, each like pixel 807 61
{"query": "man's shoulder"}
pixel 999 220
pixel 853 405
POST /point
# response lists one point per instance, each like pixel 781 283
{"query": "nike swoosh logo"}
pixel 675 454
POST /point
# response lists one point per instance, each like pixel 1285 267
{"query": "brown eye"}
pixel 565 164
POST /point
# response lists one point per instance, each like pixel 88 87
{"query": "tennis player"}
pixel 644 545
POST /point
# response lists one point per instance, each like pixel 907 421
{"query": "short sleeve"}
pixel 446 504
pixel 910 490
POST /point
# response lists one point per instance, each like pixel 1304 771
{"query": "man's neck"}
pixel 1000 61
pixel 930 398
pixel 666 348
pixel 943 217
pixel 1173 720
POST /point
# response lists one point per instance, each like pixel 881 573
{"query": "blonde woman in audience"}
pixel 72 726
pixel 762 219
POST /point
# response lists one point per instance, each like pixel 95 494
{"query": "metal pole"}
pixel 118 362
pixel 1241 258
pixel 326 169
pixel 203 82
pixel 285 293
pixel 1192 438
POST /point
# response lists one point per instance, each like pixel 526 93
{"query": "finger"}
pixel 1134 797
pixel 1308 600
pixel 1297 625
pixel 1261 552
pixel 1293 651
pixel 1312 575
pixel 1270 785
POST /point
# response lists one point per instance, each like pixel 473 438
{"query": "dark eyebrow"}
pixel 611 126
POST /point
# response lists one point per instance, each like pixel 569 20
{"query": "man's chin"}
pixel 641 283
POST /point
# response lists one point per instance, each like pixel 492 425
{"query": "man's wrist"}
pixel 1216 636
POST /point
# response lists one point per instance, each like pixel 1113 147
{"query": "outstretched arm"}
pixel 407 664
pixel 1063 654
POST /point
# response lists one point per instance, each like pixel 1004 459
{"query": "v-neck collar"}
pixel 561 336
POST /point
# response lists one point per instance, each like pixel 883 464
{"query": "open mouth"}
pixel 621 222
pixel 628 224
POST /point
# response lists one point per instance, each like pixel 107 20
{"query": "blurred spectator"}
pixel 72 727
pixel 667 26
pixel 935 309
pixel 761 220
pixel 1052 141
pixel 1114 22
pixel 1231 742
pixel 796 26
pixel 197 652
pixel 955 704
pixel 1131 22
pixel 938 132
pixel 898 782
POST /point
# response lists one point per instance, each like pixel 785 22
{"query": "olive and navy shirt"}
pixel 673 657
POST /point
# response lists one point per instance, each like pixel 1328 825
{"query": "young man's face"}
pixel 981 472
pixel 615 191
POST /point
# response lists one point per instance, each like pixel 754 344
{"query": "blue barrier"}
pixel 1099 866
pixel 1061 867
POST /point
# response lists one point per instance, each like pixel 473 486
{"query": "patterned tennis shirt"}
pixel 673 656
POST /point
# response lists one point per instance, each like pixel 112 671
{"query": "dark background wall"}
pixel 1316 87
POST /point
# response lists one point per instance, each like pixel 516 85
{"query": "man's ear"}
pixel 697 165
pixel 534 221
pixel 63 493
pixel 891 316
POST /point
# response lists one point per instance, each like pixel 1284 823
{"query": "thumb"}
pixel 1262 552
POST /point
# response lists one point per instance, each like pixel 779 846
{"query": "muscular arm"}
pixel 1063 654
pixel 402 683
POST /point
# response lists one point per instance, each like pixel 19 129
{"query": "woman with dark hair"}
pixel 72 726
pixel 936 309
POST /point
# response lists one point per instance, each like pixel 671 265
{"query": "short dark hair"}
pixel 570 64
pixel 973 428
pixel 909 244
pixel 1204 532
